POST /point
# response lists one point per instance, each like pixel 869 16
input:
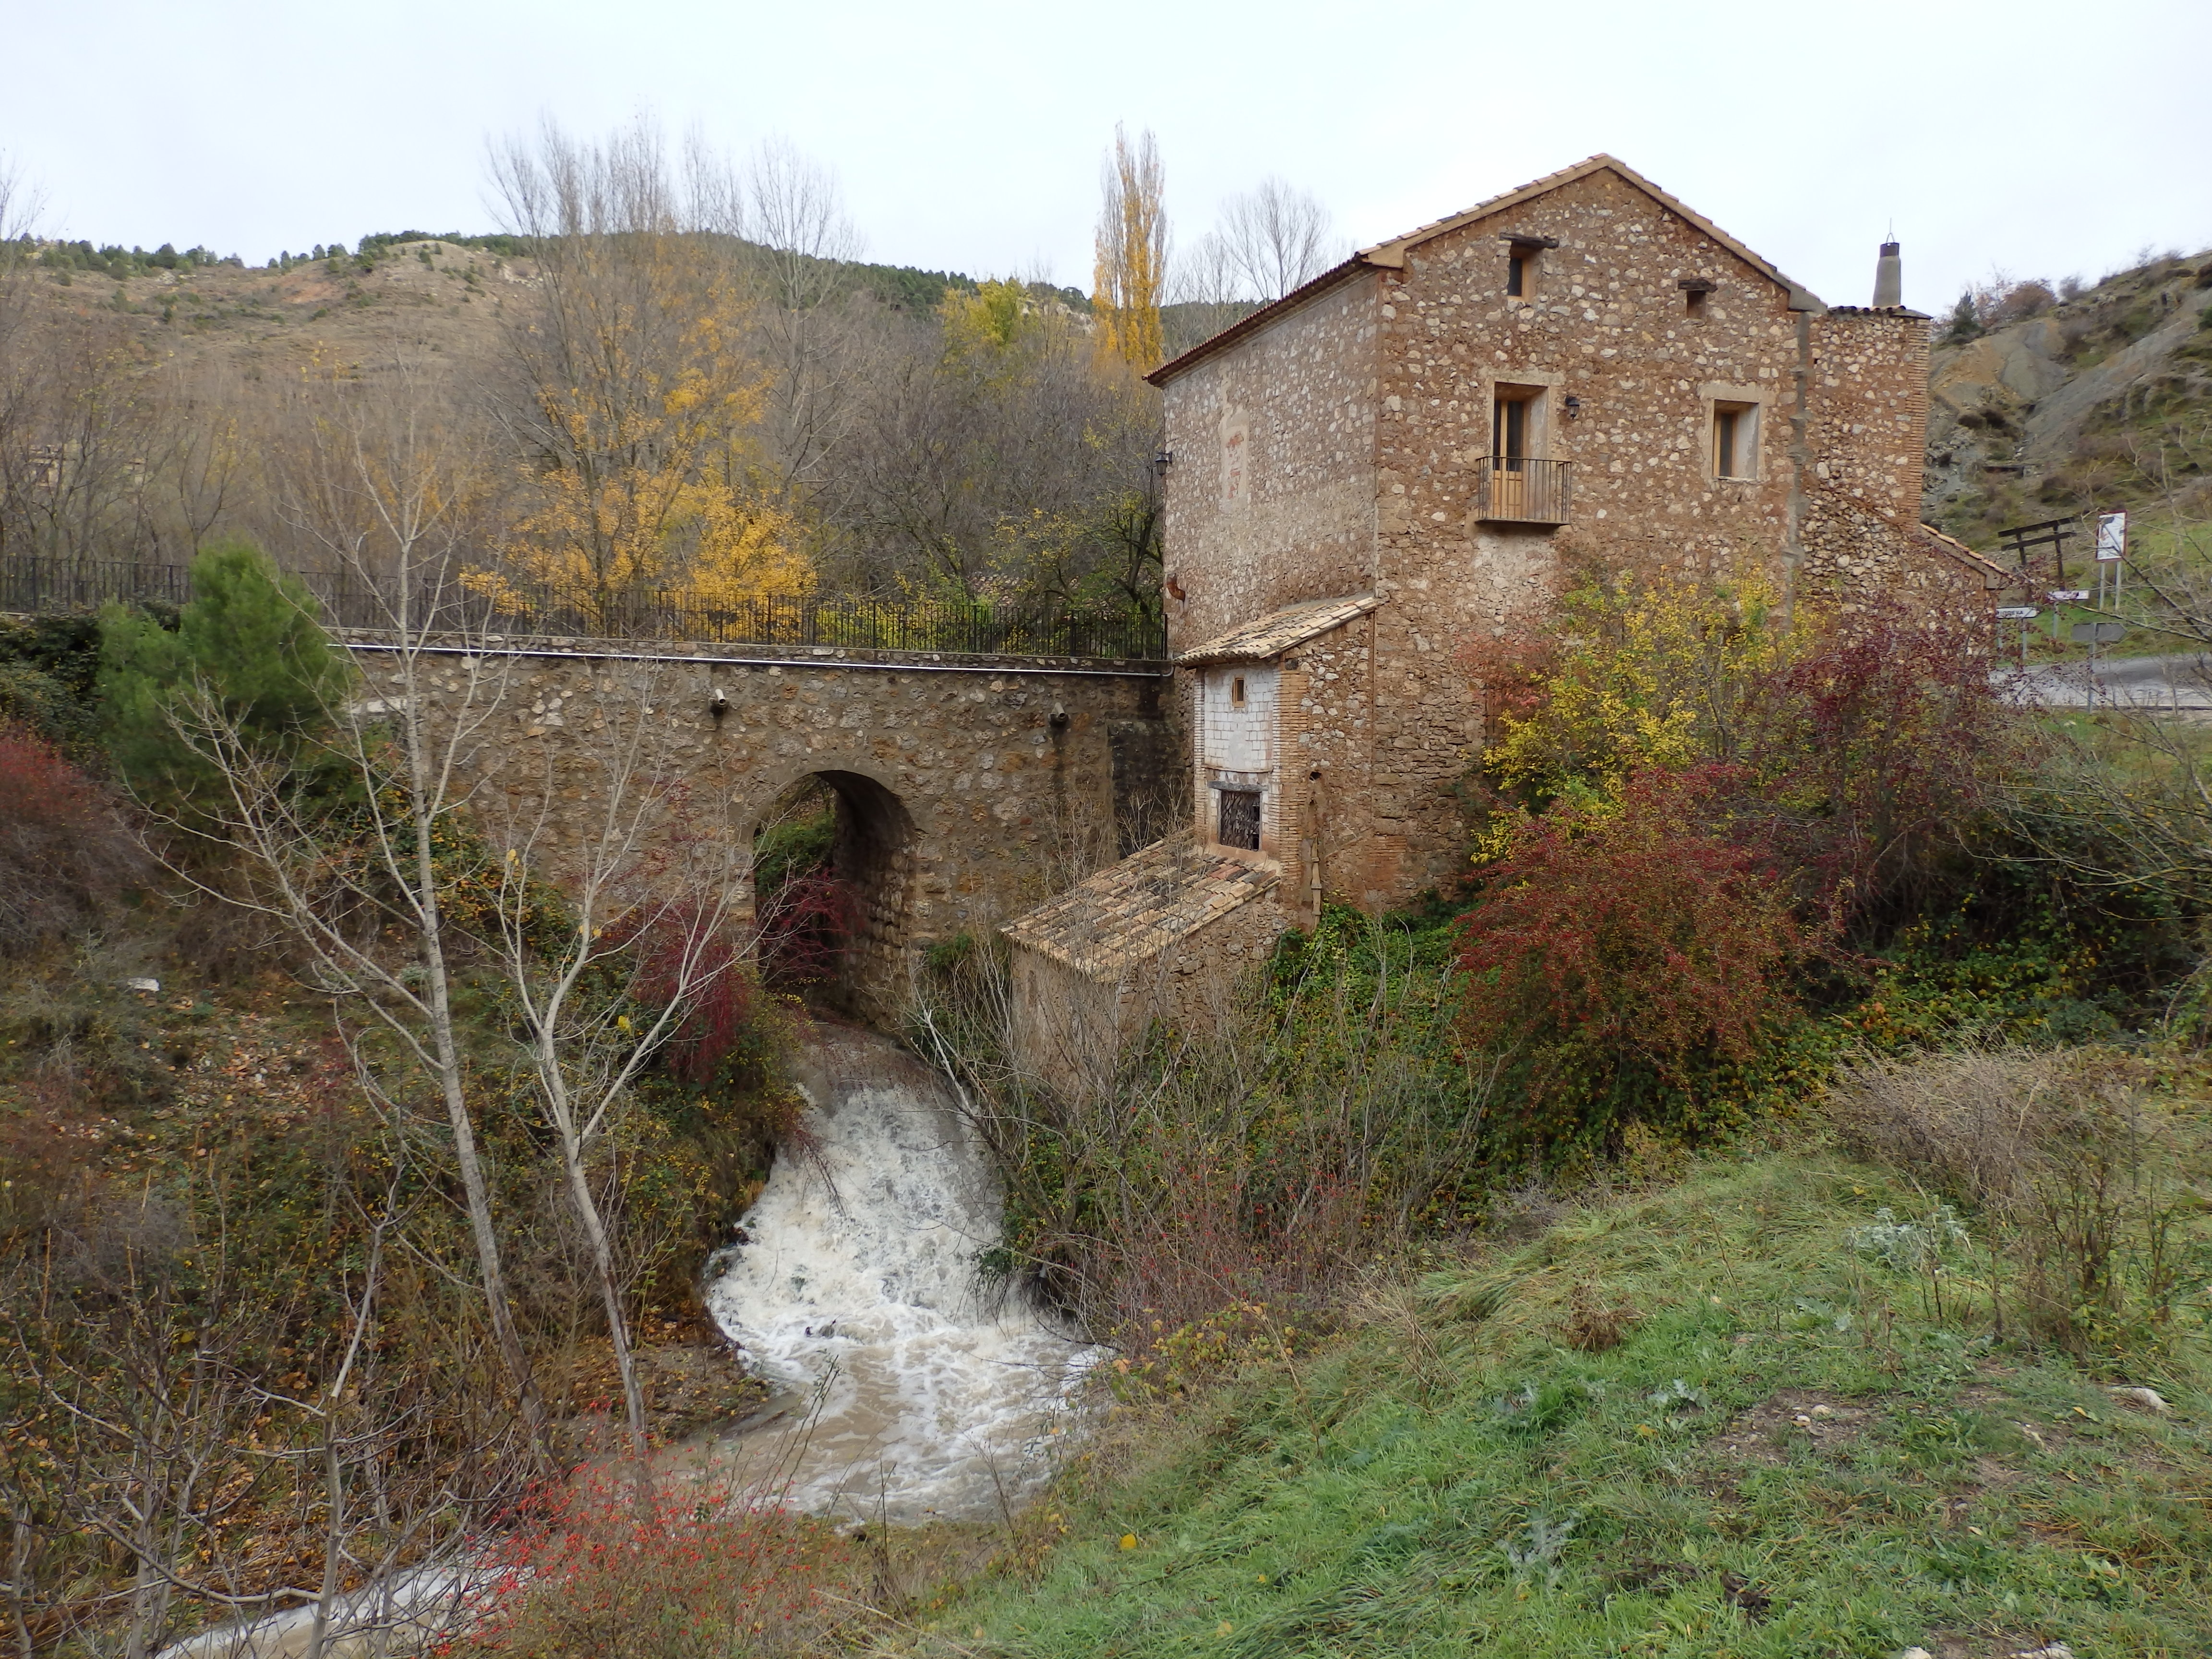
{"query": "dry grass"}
pixel 1972 1123
pixel 2080 1175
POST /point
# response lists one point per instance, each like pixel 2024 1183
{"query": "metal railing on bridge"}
pixel 506 607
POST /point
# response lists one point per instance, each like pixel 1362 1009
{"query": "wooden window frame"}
pixel 1524 262
pixel 1732 439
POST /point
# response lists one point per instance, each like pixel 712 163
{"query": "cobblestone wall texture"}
pixel 966 794
pixel 1273 484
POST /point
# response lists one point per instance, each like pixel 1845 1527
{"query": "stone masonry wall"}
pixel 1606 322
pixel 1867 431
pixel 1853 548
pixel 1327 772
pixel 1271 498
pixel 968 793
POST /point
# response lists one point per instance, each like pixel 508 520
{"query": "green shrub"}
pixel 251 642
pixel 48 667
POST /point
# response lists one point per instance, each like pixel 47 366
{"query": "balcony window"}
pixel 1523 486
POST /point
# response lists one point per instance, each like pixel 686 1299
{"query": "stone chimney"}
pixel 1888 278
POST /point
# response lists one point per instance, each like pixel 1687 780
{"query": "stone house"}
pixel 1399 458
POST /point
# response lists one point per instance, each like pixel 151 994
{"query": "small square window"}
pixel 1522 253
pixel 1735 440
pixel 1237 691
pixel 1240 819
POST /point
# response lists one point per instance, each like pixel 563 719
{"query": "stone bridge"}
pixel 967 788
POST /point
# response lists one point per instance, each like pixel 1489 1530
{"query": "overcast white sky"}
pixel 2043 137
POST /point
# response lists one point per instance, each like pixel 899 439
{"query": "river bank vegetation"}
pixel 1814 1031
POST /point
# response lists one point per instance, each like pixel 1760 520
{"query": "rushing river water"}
pixel 907 1391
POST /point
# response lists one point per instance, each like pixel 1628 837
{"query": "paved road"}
pixel 2181 681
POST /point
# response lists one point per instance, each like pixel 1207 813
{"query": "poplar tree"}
pixel 1132 252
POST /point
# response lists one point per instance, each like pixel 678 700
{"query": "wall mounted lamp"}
pixel 1162 461
pixel 1574 405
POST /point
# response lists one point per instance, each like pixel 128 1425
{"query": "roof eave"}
pixel 1801 297
pixel 1264 317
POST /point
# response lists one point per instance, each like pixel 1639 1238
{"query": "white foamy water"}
pixel 858 1290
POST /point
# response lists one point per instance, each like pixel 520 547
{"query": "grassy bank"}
pixel 1793 1446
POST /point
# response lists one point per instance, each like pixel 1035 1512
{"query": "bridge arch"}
pixel 960 780
pixel 875 853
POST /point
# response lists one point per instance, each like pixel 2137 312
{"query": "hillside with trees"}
pixel 849 428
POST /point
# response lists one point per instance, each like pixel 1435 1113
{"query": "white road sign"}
pixel 2111 536
pixel 2060 595
pixel 2017 613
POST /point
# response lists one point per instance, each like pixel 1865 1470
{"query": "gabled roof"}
pixel 1277 632
pixel 1128 912
pixel 1391 255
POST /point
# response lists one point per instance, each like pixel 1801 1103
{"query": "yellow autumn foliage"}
pixel 989 318
pixel 1639 674
pixel 646 405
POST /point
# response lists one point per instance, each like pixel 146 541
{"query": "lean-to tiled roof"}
pixel 1278 632
pixel 1993 574
pixel 1128 912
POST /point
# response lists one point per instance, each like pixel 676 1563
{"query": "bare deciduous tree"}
pixel 382 487
pixel 1272 239
pixel 649 910
pixel 787 214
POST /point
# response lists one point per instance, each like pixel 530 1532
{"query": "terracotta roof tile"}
pixel 1130 912
pixel 1278 632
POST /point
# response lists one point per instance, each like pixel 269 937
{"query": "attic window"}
pixel 1237 691
pixel 1521 253
pixel 1694 290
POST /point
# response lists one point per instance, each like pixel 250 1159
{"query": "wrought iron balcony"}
pixel 1519 489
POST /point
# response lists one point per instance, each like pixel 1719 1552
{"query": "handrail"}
pixel 1522 490
pixel 42 585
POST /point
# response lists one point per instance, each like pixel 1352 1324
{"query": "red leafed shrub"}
pixel 683 943
pixel 64 850
pixel 1870 748
pixel 805 925
pixel 1623 942
pixel 699 1570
